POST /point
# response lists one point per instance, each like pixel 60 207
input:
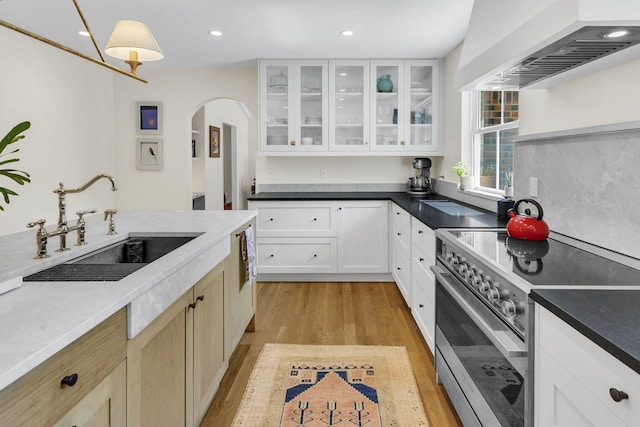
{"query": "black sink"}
pixel 113 262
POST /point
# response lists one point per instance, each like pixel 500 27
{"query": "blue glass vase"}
pixel 384 83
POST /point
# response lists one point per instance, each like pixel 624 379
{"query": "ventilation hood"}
pixel 510 46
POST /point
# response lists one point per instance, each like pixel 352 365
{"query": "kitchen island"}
pixel 38 319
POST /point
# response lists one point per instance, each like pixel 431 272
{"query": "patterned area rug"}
pixel 331 385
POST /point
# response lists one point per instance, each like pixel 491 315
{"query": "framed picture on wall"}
pixel 149 118
pixel 214 141
pixel 149 154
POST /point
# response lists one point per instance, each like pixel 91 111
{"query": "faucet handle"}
pixel 110 213
pixel 81 213
pixel 41 238
pixel 39 222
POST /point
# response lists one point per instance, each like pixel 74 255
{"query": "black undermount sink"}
pixel 113 262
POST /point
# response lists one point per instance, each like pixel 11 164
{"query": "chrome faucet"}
pixel 63 227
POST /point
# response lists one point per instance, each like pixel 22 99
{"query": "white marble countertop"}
pixel 39 319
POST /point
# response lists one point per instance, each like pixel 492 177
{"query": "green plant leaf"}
pixel 9 161
pixel 14 135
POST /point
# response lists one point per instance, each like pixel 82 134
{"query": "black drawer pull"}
pixel 398 269
pixel 399 234
pixel 421 305
pixel 193 305
pixel 271 256
pixel 397 213
pixel 419 231
pixel 618 395
pixel 200 297
pixel 270 219
pixel 315 219
pixel 421 259
pixel 70 380
pixel 315 255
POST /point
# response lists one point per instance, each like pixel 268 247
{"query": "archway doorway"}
pixel 219 148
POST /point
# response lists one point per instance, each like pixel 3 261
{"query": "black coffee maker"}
pixel 420 184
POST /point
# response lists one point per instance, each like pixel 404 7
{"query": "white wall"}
pixel 182 93
pixel 216 113
pixel 69 102
pixel 610 96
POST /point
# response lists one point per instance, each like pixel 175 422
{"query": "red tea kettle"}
pixel 523 225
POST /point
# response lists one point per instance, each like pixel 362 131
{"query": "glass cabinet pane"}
pixel 310 113
pixel 277 105
pixel 349 106
pixel 386 104
pixel 420 105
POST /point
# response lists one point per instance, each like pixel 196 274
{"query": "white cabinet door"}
pixel 420 106
pixel 277 129
pixel 363 237
pixel 349 105
pixel 387 88
pixel 311 105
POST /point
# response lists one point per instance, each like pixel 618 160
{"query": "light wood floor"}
pixel 331 313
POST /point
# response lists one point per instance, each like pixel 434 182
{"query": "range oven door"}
pixel 480 361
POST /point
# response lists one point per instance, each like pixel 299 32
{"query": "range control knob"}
pixel 462 266
pixel 509 308
pixel 470 274
pixel 449 257
pixel 485 285
pixel 477 279
pixel 494 295
pixel 443 250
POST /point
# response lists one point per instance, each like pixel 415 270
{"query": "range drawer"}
pixel 296 219
pixel 293 255
pixel 39 399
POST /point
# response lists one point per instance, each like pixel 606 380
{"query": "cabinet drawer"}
pixel 297 255
pixel 400 218
pixel 296 219
pixel 423 279
pixel 39 399
pixel 423 306
pixel 423 240
pixel 401 271
pixel 590 365
pixel 401 236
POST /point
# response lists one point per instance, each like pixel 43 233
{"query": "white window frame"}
pixel 475 134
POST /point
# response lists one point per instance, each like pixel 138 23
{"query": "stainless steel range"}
pixel 484 318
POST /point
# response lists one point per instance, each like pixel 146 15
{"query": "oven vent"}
pixel 578 48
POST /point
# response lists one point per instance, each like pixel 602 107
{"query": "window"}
pixel 495 124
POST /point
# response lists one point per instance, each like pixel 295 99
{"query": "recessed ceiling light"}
pixel 346 33
pixel 616 34
pixel 83 33
pixel 215 33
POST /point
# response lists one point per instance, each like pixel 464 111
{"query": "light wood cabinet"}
pixel 40 399
pixel 573 378
pixel 176 363
pixel 104 406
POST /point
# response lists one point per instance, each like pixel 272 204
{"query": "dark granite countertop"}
pixel 431 217
pixel 609 318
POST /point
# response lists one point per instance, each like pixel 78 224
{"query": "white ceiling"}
pixel 256 28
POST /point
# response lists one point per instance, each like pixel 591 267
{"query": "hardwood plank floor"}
pixel 331 313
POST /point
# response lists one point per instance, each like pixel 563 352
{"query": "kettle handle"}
pixel 533 202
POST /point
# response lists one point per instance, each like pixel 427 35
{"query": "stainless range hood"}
pixel 548 42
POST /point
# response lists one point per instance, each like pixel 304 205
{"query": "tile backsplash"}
pixel 589 182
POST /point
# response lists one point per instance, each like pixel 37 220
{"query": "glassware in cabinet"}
pixel 349 105
pixel 311 105
pixel 420 75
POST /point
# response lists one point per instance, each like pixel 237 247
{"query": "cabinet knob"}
pixel 421 305
pixel 69 380
pixel 401 142
pixel 399 234
pixel 618 395
pixel 270 219
pixel 315 219
pixel 293 143
pixel 193 305
pixel 340 208
pixel 315 255
pixel 200 297
pixel 271 256
pixel 419 231
pixel 421 259
pixel 397 213
pixel 398 268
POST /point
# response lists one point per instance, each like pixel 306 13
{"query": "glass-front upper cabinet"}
pixel 348 105
pixel 311 105
pixel 276 96
pixel 421 77
pixel 294 105
pixel 387 98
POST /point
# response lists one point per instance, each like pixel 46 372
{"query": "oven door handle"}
pixel 501 339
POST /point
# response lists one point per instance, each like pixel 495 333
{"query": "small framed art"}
pixel 149 118
pixel 214 141
pixel 149 154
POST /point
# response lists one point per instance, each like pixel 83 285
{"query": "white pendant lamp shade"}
pixel 133 36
